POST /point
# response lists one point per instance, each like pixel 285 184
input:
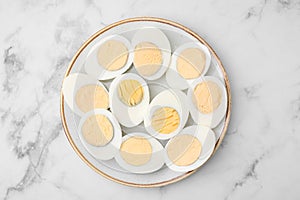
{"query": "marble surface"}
pixel 259 44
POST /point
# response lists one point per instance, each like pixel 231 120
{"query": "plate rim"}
pixel 149 19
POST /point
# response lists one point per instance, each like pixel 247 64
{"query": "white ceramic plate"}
pixel 178 35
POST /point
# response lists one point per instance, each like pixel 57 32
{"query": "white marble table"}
pixel 259 44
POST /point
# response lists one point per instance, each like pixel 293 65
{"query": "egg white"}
pixel 72 84
pixel 210 119
pixel 158 38
pixel 167 98
pixel 126 115
pixel 156 161
pixel 173 78
pixel 92 66
pixel 108 151
pixel 207 139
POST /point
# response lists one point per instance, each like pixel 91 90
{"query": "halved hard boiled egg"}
pixel 166 114
pixel 190 149
pixel 84 93
pixel 152 53
pixel 140 153
pixel 208 101
pixel 129 99
pixel 100 133
pixel 109 58
pixel 189 62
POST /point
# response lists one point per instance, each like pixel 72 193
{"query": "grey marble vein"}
pixel 32 174
pixel 257 10
pixel 250 174
pixel 13 65
pixel 251 92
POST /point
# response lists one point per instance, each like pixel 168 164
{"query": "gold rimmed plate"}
pixel 177 35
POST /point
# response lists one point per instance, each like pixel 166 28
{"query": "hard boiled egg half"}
pixel 208 101
pixel 167 114
pixel 152 53
pixel 100 133
pixel 109 58
pixel 84 93
pixel 190 149
pixel 129 99
pixel 140 153
pixel 189 62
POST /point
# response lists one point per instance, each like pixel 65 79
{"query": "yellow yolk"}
pixel 184 150
pixel 90 97
pixel 112 55
pixel 165 120
pixel 97 130
pixel 191 63
pixel 130 92
pixel 147 58
pixel 136 151
pixel 207 97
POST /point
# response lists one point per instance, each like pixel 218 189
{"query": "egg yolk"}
pixel 90 97
pixel 191 63
pixel 130 92
pixel 207 97
pixel 136 151
pixel 97 130
pixel 165 120
pixel 112 55
pixel 184 150
pixel 147 58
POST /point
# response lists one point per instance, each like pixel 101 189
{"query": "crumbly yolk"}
pixel 90 97
pixel 191 63
pixel 207 97
pixel 165 120
pixel 97 130
pixel 136 150
pixel 112 55
pixel 184 150
pixel 147 58
pixel 130 92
